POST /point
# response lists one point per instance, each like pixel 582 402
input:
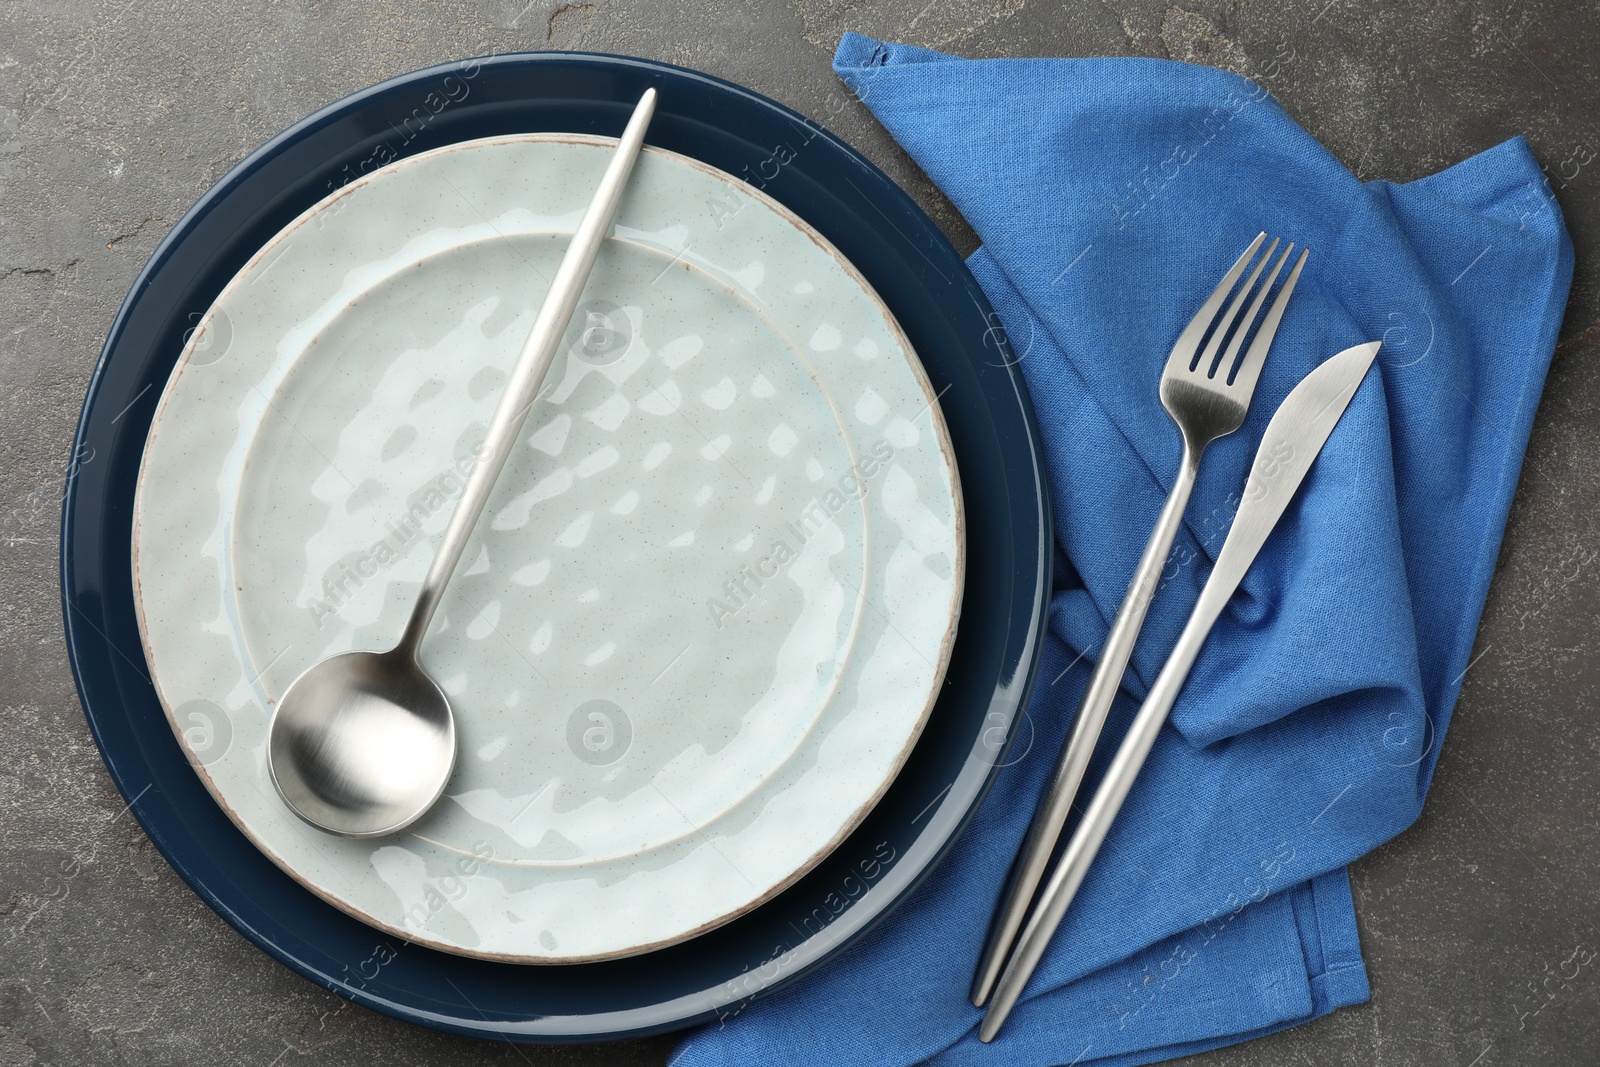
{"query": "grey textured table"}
pixel 115 116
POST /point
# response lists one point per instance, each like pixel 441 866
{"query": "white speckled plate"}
pixel 710 602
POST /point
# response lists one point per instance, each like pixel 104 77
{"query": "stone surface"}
pixel 115 116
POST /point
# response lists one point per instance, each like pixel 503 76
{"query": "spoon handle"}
pixel 538 352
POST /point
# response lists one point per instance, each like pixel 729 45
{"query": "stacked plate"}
pixel 744 631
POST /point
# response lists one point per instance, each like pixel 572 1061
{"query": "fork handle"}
pixel 1093 707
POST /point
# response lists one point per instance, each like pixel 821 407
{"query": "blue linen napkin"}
pixel 1110 195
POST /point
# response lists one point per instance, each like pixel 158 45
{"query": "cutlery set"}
pixel 1207 396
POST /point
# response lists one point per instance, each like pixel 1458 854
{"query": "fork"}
pixel 1206 398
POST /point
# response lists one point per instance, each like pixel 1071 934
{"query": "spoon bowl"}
pixel 362 743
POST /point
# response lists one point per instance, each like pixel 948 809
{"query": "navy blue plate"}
pixel 997 448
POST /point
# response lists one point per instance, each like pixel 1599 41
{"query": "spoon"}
pixel 363 743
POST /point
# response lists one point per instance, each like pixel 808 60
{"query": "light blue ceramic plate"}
pixel 710 602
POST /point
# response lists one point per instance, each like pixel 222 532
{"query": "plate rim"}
pixel 963 796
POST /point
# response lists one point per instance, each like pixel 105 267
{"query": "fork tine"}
pixel 1225 368
pixel 1189 340
pixel 1206 367
pixel 1250 367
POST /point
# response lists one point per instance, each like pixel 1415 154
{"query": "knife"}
pixel 1294 437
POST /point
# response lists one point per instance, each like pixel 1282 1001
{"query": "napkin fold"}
pixel 1110 196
